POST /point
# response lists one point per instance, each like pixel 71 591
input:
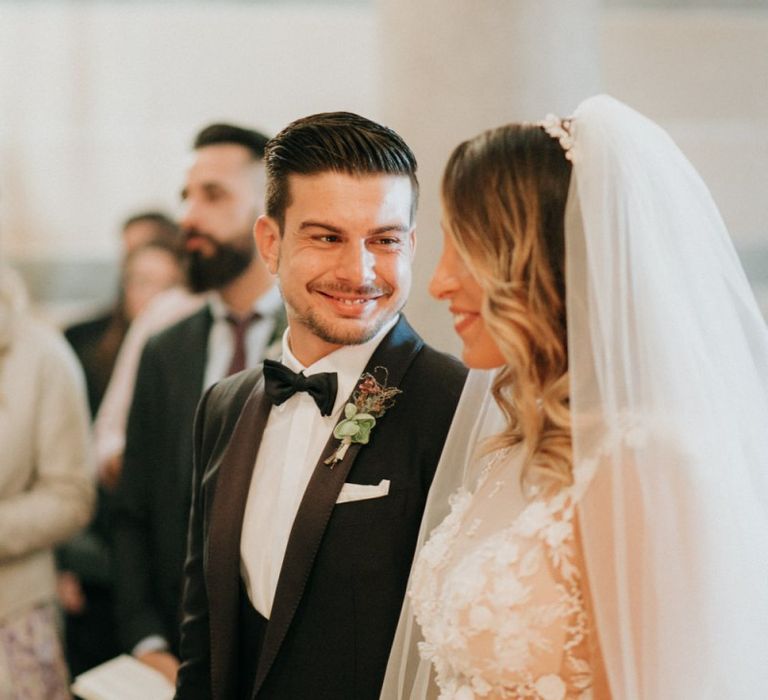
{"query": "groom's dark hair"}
pixel 340 142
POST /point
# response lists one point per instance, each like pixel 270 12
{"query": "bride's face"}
pixel 452 281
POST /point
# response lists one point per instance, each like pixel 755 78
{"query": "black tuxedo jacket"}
pixel 152 500
pixel 153 497
pixel 346 566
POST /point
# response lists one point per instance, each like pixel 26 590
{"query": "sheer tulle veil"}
pixel 476 418
pixel 669 396
pixel 668 361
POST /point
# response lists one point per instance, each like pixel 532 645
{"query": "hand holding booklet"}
pixel 123 678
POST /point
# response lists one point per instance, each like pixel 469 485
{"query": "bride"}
pixel 610 540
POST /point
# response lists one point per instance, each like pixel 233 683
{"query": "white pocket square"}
pixel 361 492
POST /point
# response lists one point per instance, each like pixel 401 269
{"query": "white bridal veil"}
pixel 669 393
pixel 668 358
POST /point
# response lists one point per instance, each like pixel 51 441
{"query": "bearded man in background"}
pixel 222 197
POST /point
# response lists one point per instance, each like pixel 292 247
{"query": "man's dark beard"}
pixel 227 263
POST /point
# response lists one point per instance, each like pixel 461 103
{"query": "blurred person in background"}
pixel 97 341
pixel 150 269
pixel 148 227
pixel 222 197
pixel 84 562
pixel 165 309
pixel 46 491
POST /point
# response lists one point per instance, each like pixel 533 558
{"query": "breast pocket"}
pixel 366 505
pixel 363 492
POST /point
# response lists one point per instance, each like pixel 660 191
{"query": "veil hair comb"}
pixel 560 129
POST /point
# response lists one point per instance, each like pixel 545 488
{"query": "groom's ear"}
pixel 266 233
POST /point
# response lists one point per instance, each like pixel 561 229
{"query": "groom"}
pixel 311 475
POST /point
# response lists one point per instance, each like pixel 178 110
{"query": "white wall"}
pixel 452 70
pixel 704 76
pixel 99 102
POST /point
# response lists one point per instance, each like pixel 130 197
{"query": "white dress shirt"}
pixel 221 345
pixel 293 440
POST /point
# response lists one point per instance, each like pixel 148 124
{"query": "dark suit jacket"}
pixel 153 497
pixel 84 338
pixel 346 566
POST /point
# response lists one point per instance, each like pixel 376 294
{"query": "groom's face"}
pixel 343 257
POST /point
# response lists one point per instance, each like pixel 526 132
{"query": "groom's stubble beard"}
pixel 323 329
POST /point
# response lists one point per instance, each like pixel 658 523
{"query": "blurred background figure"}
pixel 144 273
pixel 46 491
pixel 110 424
pixel 149 270
pixel 152 264
pixel 148 227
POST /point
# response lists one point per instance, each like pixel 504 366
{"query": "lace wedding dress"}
pixel 502 601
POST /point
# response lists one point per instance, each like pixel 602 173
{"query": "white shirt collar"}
pixel 348 362
pixel 268 304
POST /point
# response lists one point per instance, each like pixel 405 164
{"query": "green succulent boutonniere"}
pixel 370 401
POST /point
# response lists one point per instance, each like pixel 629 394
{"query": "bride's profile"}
pixel 610 538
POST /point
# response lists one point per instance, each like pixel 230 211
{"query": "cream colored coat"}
pixel 46 476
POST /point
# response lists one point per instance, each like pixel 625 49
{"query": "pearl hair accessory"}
pixel 559 129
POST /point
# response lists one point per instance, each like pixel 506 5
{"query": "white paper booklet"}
pixel 122 678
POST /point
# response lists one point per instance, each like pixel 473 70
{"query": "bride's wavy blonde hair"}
pixel 504 195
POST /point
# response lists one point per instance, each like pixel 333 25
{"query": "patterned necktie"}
pixel 280 383
pixel 239 326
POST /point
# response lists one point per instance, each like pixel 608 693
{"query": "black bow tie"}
pixel 280 383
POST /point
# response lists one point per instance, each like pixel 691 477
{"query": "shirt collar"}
pixel 348 362
pixel 268 304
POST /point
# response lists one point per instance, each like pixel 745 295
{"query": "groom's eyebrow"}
pixel 387 228
pixel 320 224
pixel 391 228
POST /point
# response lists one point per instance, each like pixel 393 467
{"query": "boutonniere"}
pixel 370 401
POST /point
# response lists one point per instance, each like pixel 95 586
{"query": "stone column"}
pixel 452 68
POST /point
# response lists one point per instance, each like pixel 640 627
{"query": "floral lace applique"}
pixel 507 617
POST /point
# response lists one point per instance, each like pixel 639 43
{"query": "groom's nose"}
pixel 356 263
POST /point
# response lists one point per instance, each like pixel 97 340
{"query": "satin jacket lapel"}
pixel 395 352
pixel 222 567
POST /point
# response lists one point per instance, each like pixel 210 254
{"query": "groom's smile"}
pixel 350 302
pixel 343 258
